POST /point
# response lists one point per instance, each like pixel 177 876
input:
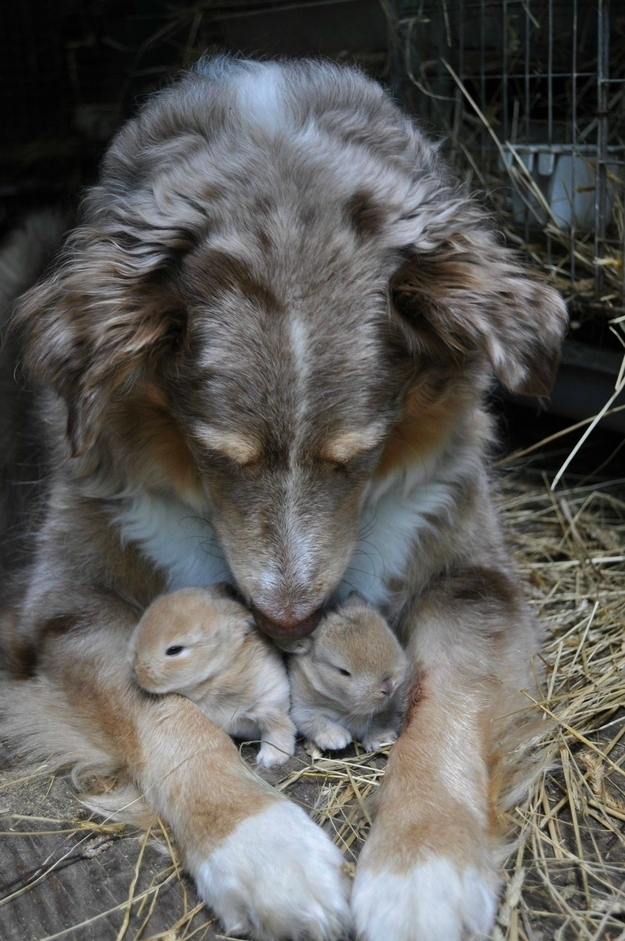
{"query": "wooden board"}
pixel 65 874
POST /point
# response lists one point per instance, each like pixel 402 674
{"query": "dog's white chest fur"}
pixel 392 523
pixel 179 542
pixel 186 547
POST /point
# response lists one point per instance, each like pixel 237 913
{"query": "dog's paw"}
pixel 433 901
pixel 332 738
pixel 375 740
pixel 277 875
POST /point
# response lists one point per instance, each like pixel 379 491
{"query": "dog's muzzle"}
pixel 287 629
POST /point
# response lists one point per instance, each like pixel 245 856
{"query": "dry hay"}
pixel 566 876
pixel 495 166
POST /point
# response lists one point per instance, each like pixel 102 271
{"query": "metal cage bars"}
pixel 531 81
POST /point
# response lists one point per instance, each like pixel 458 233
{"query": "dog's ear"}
pixel 92 328
pixel 471 295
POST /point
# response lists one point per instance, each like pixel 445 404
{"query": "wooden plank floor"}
pixel 65 875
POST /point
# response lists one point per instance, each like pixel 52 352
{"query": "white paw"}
pixel 333 738
pixel 373 742
pixel 433 901
pixel 277 875
pixel 270 754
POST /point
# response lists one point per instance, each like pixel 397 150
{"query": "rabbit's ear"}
pixel 225 590
pixel 250 626
pixel 296 647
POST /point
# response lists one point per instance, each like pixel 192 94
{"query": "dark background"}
pixel 71 72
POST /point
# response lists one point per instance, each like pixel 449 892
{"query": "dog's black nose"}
pixel 286 628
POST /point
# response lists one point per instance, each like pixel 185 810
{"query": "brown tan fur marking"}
pixel 154 446
pixel 416 694
pixel 421 432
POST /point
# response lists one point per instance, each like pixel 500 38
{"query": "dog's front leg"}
pixel 429 869
pixel 265 868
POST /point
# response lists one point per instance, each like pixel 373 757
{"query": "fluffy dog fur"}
pixel 261 358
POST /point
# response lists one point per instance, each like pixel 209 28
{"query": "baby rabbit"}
pixel 346 679
pixel 202 643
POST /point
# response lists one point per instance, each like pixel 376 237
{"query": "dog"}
pixel 261 358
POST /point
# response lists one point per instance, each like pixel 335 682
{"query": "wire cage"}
pixel 530 95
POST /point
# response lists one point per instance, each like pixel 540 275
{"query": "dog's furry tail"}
pixel 38 725
pixel 525 754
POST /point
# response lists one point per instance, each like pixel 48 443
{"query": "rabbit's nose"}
pixel 387 686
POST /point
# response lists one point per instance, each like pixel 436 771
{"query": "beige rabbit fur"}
pixel 204 644
pixel 347 679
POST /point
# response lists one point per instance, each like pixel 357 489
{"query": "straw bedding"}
pixel 565 877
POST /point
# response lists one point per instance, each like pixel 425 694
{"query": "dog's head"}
pixel 277 293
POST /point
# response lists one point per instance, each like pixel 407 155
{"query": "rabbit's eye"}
pixel 344 672
pixel 173 651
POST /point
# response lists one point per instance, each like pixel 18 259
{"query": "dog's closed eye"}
pixel 235 447
pixel 344 447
